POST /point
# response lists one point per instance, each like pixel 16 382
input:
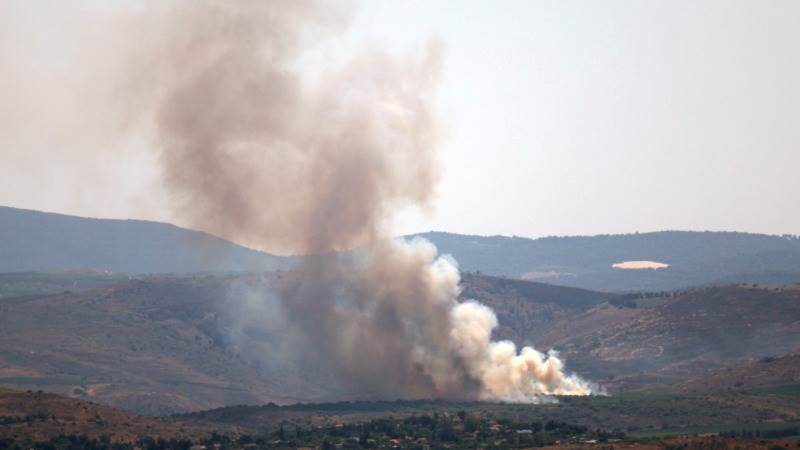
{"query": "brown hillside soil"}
pixel 156 346
pixel 685 337
pixel 163 345
pixel 768 371
pixel 42 416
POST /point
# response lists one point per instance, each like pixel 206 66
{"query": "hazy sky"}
pixel 561 117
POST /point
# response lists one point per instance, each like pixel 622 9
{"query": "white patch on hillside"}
pixel 640 265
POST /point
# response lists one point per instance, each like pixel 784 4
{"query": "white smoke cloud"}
pixel 503 373
pixel 506 374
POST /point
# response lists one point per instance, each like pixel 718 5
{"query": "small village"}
pixel 453 431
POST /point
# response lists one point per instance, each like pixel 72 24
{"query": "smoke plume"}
pixel 255 148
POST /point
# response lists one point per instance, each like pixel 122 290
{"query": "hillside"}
pixel 161 345
pixel 33 241
pixel 167 344
pixel 695 258
pixel 675 338
pixel 527 309
pixel 18 284
pixel 782 370
pixel 627 342
pixel 37 416
pixel 158 345
pixel 39 420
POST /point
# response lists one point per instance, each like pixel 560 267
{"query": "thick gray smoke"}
pixel 253 151
pixel 393 325
pixel 254 148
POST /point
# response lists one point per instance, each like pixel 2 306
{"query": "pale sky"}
pixel 561 117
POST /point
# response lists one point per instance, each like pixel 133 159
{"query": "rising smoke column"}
pixel 255 152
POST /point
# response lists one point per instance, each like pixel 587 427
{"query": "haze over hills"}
pixel 38 241
pixel 694 258
pixel 34 241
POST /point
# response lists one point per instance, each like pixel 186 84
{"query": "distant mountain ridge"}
pixel 39 242
pixel 34 241
pixel 695 258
